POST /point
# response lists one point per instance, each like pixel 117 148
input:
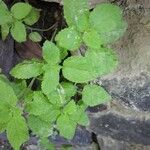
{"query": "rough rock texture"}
pixel 107 143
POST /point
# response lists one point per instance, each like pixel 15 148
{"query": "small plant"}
pixel 52 108
pixel 16 19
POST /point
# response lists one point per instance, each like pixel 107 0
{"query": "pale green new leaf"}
pixel 7 95
pixel 35 37
pixel 76 13
pixel 50 79
pixel 21 10
pixel 78 69
pixel 27 70
pixel 92 39
pixel 66 127
pixel 17 130
pixel 69 39
pixel 39 105
pixel 107 20
pixel 69 89
pixel 5 31
pixel 51 53
pixel 32 17
pixel 39 127
pixel 18 31
pixel 5 16
pixel 93 95
pixel 102 61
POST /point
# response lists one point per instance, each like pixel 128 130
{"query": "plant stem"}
pixel 42 30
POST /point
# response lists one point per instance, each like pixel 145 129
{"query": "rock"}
pixel 6 55
pixel 122 124
pixel 107 143
pixel 82 138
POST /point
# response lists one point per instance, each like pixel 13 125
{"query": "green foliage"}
pixel 76 13
pixel 51 53
pixel 35 37
pixel 17 130
pixel 13 20
pixel 100 95
pixel 32 17
pixel 77 69
pixel 107 20
pixel 66 126
pixel 63 91
pixel 92 39
pixel 69 39
pixel 20 10
pixel 27 69
pixel 18 27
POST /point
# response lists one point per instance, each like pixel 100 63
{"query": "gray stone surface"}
pixel 6 55
pixel 122 124
pixel 107 143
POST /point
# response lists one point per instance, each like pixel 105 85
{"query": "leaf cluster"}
pixel 17 19
pixel 53 107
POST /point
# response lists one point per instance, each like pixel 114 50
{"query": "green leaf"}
pixel 103 61
pixel 50 79
pixel 70 108
pixel 80 116
pixel 5 14
pixel 57 97
pixel 45 144
pixel 69 39
pixel 39 105
pixel 92 39
pixel 51 115
pixel 35 37
pixel 69 89
pixel 21 10
pixel 27 70
pixel 7 95
pixel 107 20
pixel 2 127
pixel 32 17
pixel 51 53
pixel 76 13
pixel 39 127
pixel 5 113
pixel 83 119
pixel 18 27
pixel 93 95
pixel 63 53
pixel 78 69
pixel 66 127
pixel 19 87
pixel 17 130
pixel 4 31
